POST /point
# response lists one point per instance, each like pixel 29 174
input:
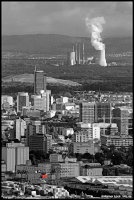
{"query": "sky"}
pixel 65 18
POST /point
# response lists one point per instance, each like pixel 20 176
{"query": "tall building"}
pixel 87 112
pixel 42 101
pixel 20 128
pixel 22 100
pixel 120 117
pixel 103 112
pixel 39 81
pixel 38 143
pixel 14 154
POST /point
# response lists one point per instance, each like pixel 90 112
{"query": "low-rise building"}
pixel 117 141
pixel 82 147
pixel 91 169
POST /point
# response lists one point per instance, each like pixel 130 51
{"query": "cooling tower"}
pixel 72 58
pixel 102 59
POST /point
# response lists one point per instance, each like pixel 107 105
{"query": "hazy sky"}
pixel 66 18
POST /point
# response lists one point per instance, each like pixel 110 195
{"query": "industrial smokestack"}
pixel 83 57
pixel 79 53
pixel 95 27
pixel 76 53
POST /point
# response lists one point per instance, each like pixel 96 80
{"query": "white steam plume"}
pixel 94 26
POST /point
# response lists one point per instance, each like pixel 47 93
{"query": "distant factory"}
pixel 76 56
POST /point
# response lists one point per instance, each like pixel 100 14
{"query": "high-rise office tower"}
pixel 14 154
pixel 120 117
pixel 38 142
pixel 20 128
pixel 103 112
pixel 39 81
pixel 42 101
pixel 22 100
pixel 87 112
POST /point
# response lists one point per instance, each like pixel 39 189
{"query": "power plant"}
pixel 76 56
pixel 102 59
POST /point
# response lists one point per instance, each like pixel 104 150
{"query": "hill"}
pixel 29 78
pixel 53 44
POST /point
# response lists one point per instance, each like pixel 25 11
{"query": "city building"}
pixel 3 169
pixel 39 81
pixel 120 117
pixel 68 169
pixel 6 98
pixel 38 142
pixel 20 128
pixel 107 128
pixel 49 142
pixel 117 141
pixel 30 112
pixel 62 100
pixel 22 100
pixel 91 169
pixel 103 112
pixel 56 158
pixel 13 154
pixel 42 101
pixel 86 132
pixel 87 112
pixel 83 147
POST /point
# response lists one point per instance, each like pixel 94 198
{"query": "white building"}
pixel 20 128
pixel 42 101
pixel 86 132
pixel 13 154
pixel 6 98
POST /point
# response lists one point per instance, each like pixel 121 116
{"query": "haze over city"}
pixel 67 18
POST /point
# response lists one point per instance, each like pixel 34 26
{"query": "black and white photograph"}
pixel 67 100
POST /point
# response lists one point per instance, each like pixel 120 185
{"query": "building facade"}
pixel 82 147
pixel 13 154
pixel 117 141
pixel 87 112
pixel 38 143
pixel 39 81
pixel 120 117
pixel 22 100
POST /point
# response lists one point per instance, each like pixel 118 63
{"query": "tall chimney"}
pixel 79 53
pixel 83 59
pixel 76 52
